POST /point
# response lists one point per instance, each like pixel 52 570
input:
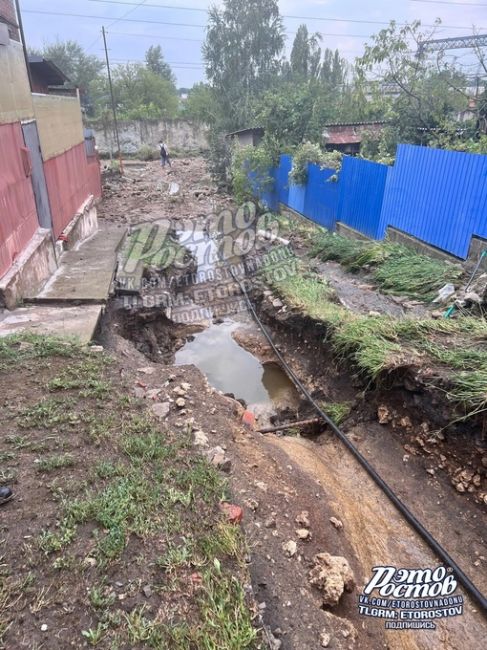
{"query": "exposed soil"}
pixel 275 479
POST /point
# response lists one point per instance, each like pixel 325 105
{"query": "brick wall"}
pixel 9 16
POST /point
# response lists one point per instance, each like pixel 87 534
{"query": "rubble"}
pixel 333 576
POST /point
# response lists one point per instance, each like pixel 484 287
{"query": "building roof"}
pixel 48 71
pixel 344 138
pixel 254 129
pixel 372 122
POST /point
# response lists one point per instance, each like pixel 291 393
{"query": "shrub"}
pixel 308 152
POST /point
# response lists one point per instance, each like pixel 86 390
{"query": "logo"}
pixel 410 599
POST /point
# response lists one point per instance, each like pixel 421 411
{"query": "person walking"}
pixel 164 154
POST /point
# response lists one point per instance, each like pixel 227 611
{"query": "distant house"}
pixel 246 137
pixel 49 173
pixel 47 78
pixel 347 136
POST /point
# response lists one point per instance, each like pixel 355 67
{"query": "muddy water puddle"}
pixel 231 369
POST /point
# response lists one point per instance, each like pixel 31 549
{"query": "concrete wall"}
pixel 59 123
pixel 8 16
pixel 178 134
pixel 15 98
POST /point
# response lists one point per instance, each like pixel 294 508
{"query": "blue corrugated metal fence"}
pixel 439 197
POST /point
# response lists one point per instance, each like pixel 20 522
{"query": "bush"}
pixel 146 152
pixel 308 152
pixel 255 162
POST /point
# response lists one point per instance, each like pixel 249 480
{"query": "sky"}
pixel 143 26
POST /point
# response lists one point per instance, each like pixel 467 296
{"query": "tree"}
pixel 242 54
pixel 155 63
pixel 420 97
pixel 143 94
pixel 201 104
pixel 305 54
pixel 83 70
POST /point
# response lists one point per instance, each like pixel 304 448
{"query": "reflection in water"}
pixel 231 369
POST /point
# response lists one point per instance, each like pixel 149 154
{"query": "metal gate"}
pixel 31 139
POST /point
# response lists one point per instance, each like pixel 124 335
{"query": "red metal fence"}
pixel 71 178
pixel 18 215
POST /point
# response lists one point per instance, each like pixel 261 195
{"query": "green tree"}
pixel 83 70
pixel 305 54
pixel 242 54
pixel 201 104
pixel 143 94
pixel 154 60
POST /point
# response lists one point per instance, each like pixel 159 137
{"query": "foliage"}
pixel 154 60
pixel 395 268
pixel 143 94
pixel 311 153
pixel 250 169
pixel 201 104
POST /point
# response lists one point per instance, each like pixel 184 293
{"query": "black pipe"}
pixel 403 509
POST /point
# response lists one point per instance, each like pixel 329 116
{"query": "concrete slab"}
pixel 79 322
pixel 86 272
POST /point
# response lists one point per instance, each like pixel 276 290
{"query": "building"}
pixel 46 78
pixel 347 136
pixel 48 182
pixel 246 137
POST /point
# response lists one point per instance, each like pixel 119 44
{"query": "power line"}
pixel 118 2
pixel 161 22
pixel 446 2
pixel 157 37
pixel 137 5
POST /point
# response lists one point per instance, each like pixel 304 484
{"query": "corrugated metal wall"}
pixel 437 196
pixel 18 215
pixel 362 185
pixel 70 181
pixel 321 199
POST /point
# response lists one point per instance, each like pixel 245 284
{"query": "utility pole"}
pixel 114 108
pixel 24 45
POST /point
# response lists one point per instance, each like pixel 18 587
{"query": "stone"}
pixel 303 533
pixel 185 386
pixel 270 522
pixel 147 591
pixel 325 639
pixel 252 504
pixel 336 522
pixel 333 576
pixel 43 627
pixel 277 303
pixel 484 461
pixel 161 409
pixel 96 348
pixel 179 391
pixel 153 393
pixel 180 403
pixel 200 439
pixel 146 371
pixel 233 512
pixel 460 487
pixel 139 392
pixel 303 519
pixel 384 415
pixel 290 548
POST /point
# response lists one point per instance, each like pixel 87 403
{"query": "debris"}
pixel 384 415
pixel 233 513
pixel 270 522
pixel 303 533
pixel 332 575
pixel 6 495
pixel 218 459
pixel 248 419
pixel 153 393
pixel 97 348
pixel 146 371
pixel 303 519
pixel 161 409
pixel 180 403
pixel 336 522
pixel 147 591
pixel 290 548
pixel 460 487
pixel 252 504
pixel 444 293
pixel 200 439
pixel 43 627
pixel 261 485
pixel 325 639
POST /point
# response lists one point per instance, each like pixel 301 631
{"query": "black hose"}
pixel 403 509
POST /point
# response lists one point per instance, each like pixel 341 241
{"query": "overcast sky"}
pixel 182 43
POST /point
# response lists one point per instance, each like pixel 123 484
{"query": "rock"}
pixel 270 522
pixel 405 422
pixel 332 575
pixel 200 439
pixel 146 371
pixel 290 548
pixel 460 487
pixel 185 386
pixel 303 533
pixel 161 409
pixel 384 415
pixel 43 627
pixel 477 480
pixel 336 522
pixel 233 513
pixel 147 591
pixel 179 391
pixel 374 313
pixel 471 296
pixel 325 639
pixel 303 519
pixel 96 348
pixel 153 393
pixel 277 303
pixel 139 392
pixel 180 403
pixel 484 499
pixel 484 461
pixel 261 485
pixel 252 504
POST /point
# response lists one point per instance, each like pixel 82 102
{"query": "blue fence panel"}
pixel 297 194
pixel 321 200
pixel 438 196
pixel 281 174
pixel 362 184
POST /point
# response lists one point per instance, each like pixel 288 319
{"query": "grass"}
pixel 337 411
pixel 395 268
pixel 377 345
pixel 142 503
